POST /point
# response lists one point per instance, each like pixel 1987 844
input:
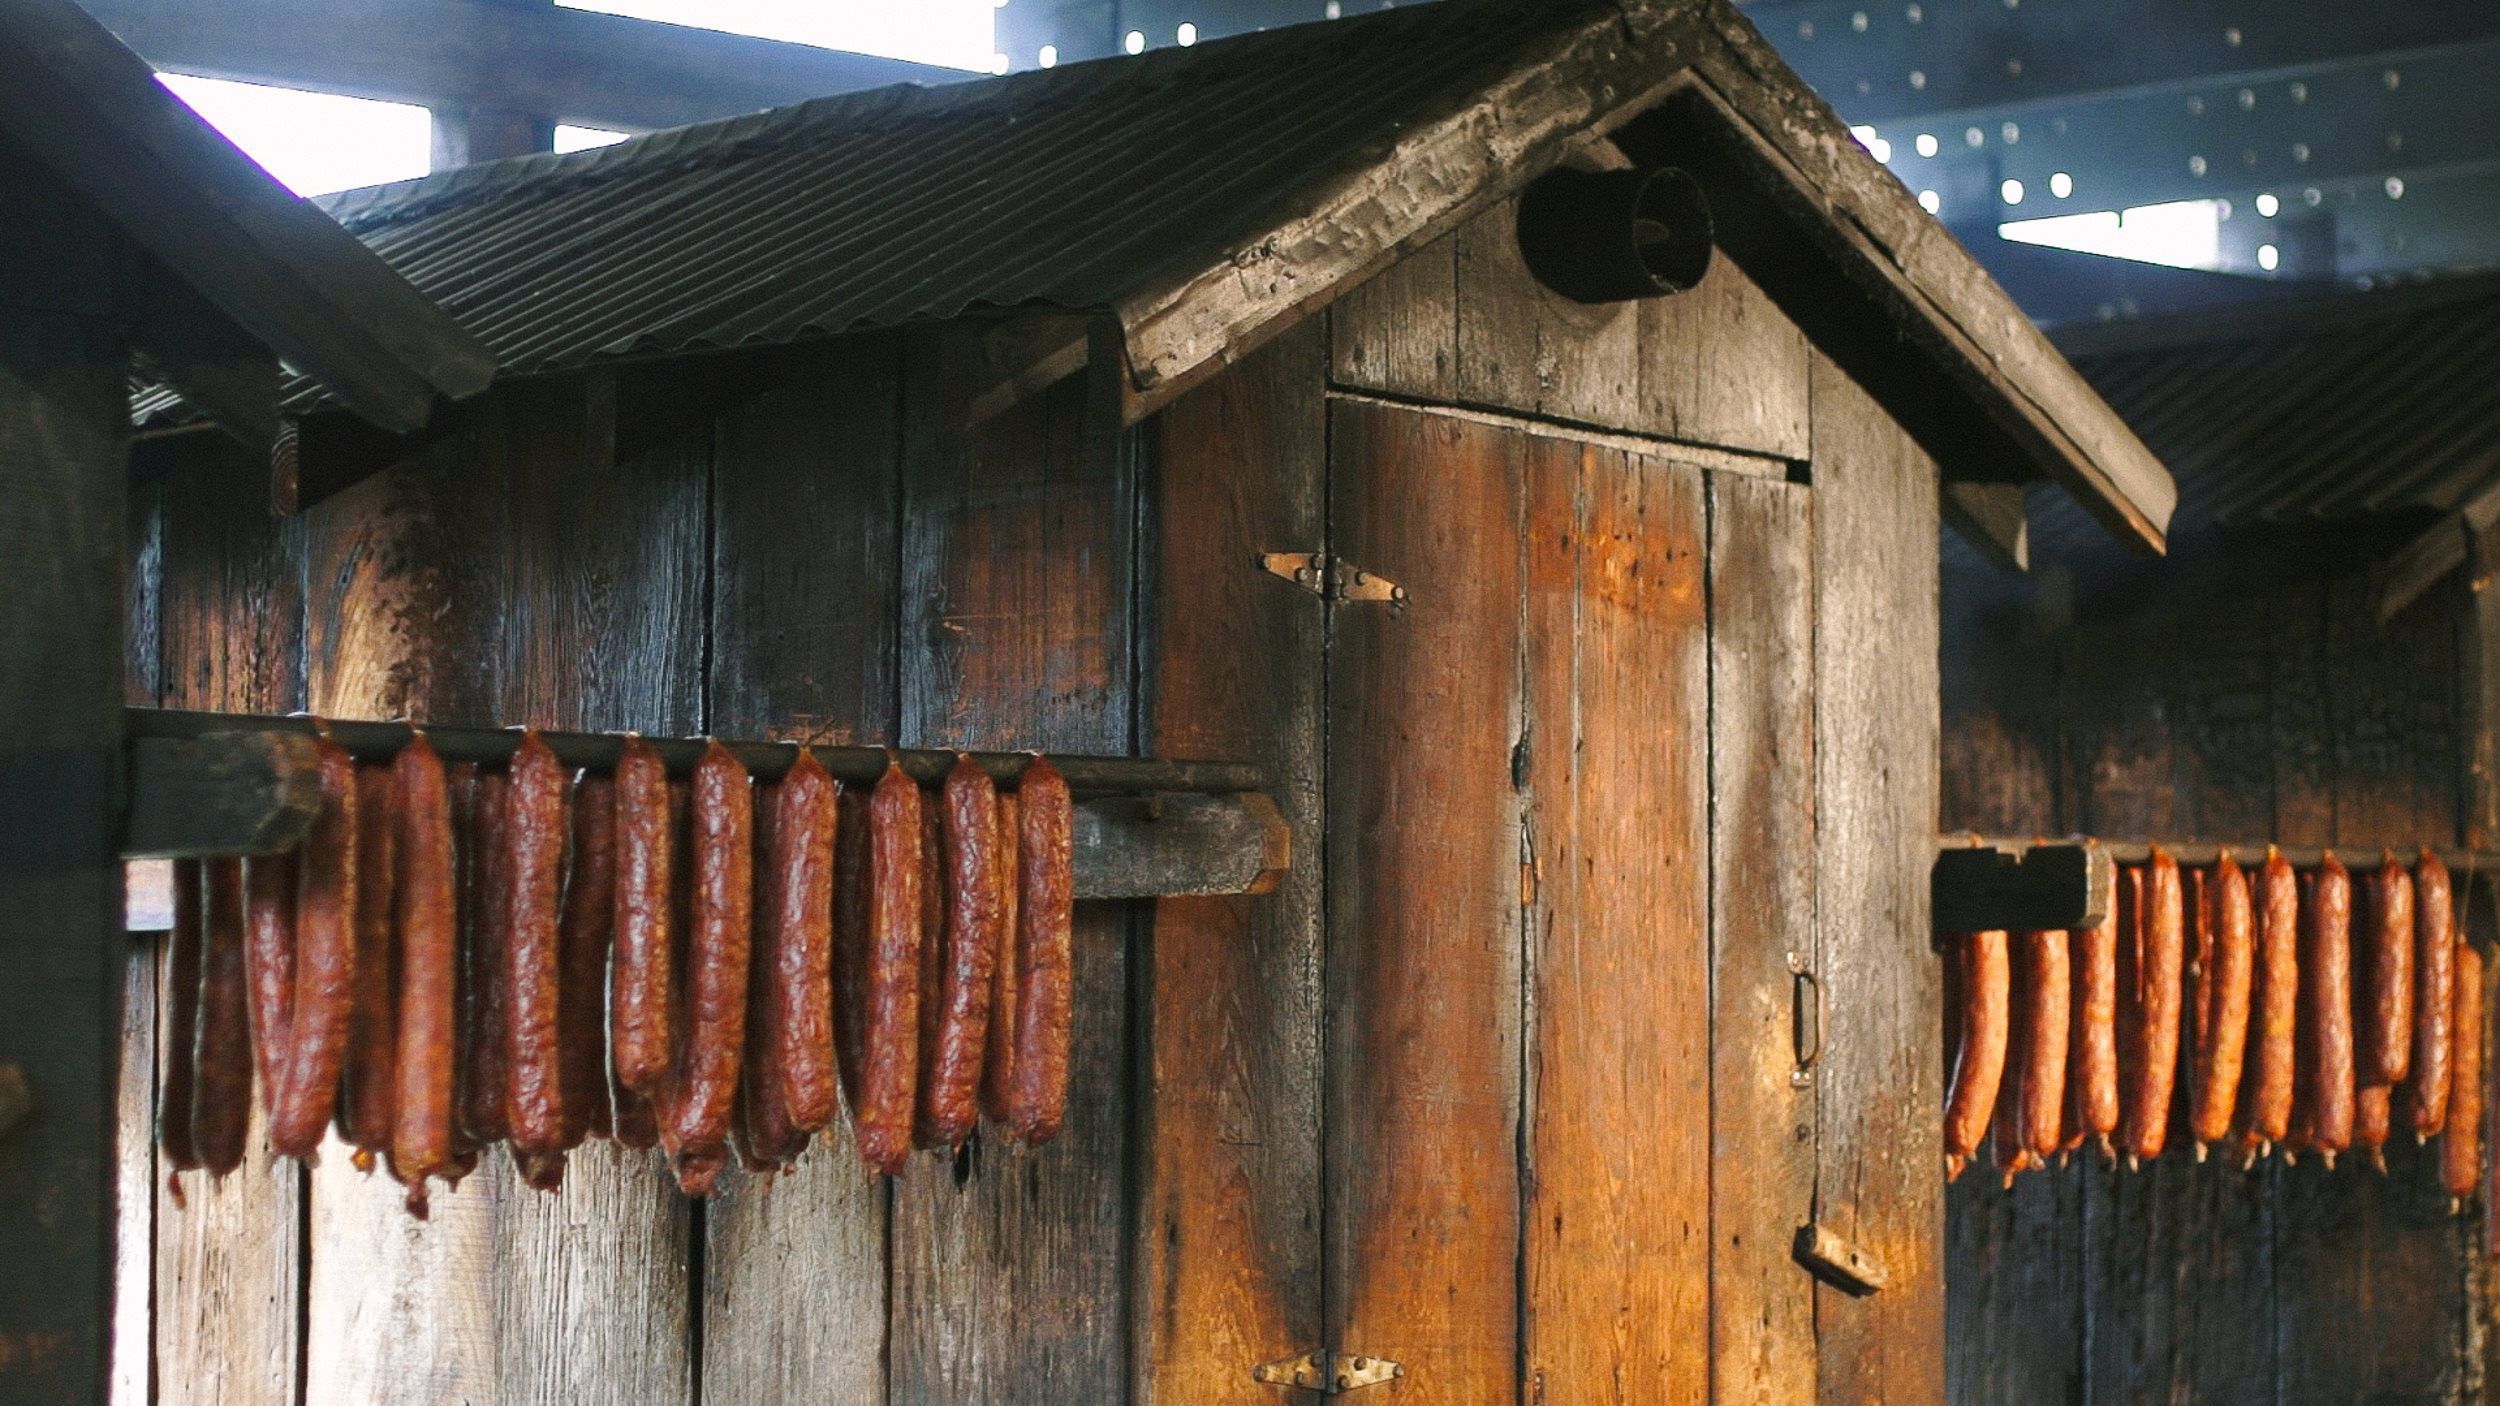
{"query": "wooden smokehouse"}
pixel 1517 432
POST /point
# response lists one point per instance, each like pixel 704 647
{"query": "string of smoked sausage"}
pixel 425 907
pixel 2461 1141
pixel 2225 959
pixel 951 1079
pixel 2006 1137
pixel 2092 1038
pixel 796 903
pixel 640 1003
pixel 853 942
pixel 184 942
pixel 2425 1090
pixel 534 836
pixel 2326 1013
pixel 2383 980
pixel 933 885
pixel 1985 981
pixel 2043 1008
pixel 760 1126
pixel 2149 1070
pixel 888 1063
pixel 221 1095
pixel 2265 1113
pixel 718 954
pixel 582 940
pixel 325 962
pixel 484 1109
pixel 370 1080
pixel 998 1062
pixel 269 958
pixel 1045 954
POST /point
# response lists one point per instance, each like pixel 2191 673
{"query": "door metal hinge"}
pixel 1327 1373
pixel 1334 580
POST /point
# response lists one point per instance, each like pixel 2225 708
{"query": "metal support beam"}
pixel 466 56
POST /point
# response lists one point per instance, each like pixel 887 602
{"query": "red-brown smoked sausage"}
pixel 2326 1012
pixel 2225 959
pixel 932 963
pixel 221 1096
pixel 325 963
pixel 269 885
pixel 1985 980
pixel 718 954
pixel 582 990
pixel 485 1109
pixel 184 942
pixel 2383 980
pixel 2461 1142
pixel 641 1001
pixel 1045 954
pixel 2006 1128
pixel 951 1079
pixel 2043 1009
pixel 794 940
pixel 2148 1070
pixel 998 1063
pixel 2371 1117
pixel 760 1128
pixel 2092 1038
pixel 534 838
pixel 2265 1112
pixel 426 908
pixel 2434 997
pixel 889 1047
pixel 371 1076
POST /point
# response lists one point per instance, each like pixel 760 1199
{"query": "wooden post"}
pixel 61 476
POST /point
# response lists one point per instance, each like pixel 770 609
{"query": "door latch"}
pixel 1334 579
pixel 1328 1373
pixel 1831 1257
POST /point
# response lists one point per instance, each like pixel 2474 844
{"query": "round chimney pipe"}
pixel 1611 236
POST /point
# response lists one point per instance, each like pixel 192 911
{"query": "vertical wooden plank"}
pixel 63 477
pixel 1762 895
pixel 134 1242
pixel 2374 1305
pixel 1227 1269
pixel 1617 1221
pixel 1394 332
pixel 1424 867
pixel 1688 344
pixel 1009 1275
pixel 228 1263
pixel 1878 1139
pixel 513 575
pixel 803 644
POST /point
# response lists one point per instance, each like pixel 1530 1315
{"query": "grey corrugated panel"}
pixel 2339 408
pixel 1066 188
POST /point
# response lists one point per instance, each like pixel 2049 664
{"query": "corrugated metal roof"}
pixel 1062 188
pixel 2354 405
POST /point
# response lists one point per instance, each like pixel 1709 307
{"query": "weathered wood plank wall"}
pixel 2240 692
pixel 1490 1149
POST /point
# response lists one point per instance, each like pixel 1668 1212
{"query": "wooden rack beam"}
pixel 1997 881
pixel 208 784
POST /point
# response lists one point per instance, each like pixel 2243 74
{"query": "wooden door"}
pixel 1569 835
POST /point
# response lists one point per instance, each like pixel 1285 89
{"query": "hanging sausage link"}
pixel 716 969
pixel 1045 955
pixel 2267 1094
pixel 583 942
pixel 2461 1142
pixel 370 1080
pixel 2327 1086
pixel 315 1045
pixel 221 1095
pixel 2150 987
pixel 426 909
pixel 641 1000
pixel 2043 991
pixel 951 1079
pixel 534 841
pixel 2226 948
pixel 2383 980
pixel 2425 1094
pixel 1985 980
pixel 889 1011
pixel 2092 1041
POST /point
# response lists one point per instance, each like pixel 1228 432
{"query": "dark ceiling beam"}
pixel 1877 63
pixel 549 63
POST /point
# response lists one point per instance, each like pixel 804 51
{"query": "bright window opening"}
pixel 313 142
pixel 572 138
pixel 954 33
pixel 2184 234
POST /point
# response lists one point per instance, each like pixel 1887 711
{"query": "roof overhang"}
pixel 1839 243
